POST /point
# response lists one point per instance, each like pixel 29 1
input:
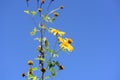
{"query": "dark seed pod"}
pixel 61 67
pixel 69 41
pixel 23 75
pixel 43 70
pixel 61 7
pixel 56 14
pixel 42 1
pixel 39 9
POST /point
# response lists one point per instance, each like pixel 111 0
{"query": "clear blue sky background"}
pixel 94 26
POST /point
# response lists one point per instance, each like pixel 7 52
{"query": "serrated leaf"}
pixel 52 19
pixel 33 13
pixel 38 39
pixel 51 64
pixel 46 43
pixel 46 18
pixel 35 68
pixel 55 55
pixel 53 72
pixel 30 76
pixel 41 59
pixel 57 63
pixel 27 11
pixel 49 50
pixel 35 78
pixel 47 77
pixel 32 33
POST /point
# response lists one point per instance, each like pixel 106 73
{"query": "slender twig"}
pixel 49 5
pixel 53 11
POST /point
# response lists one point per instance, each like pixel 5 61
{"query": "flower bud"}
pixel 30 72
pixel 70 41
pixel 30 62
pixel 56 14
pixel 42 1
pixel 43 70
pixel 61 7
pixel 61 67
pixel 23 75
pixel 39 9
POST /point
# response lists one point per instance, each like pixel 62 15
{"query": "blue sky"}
pixel 92 24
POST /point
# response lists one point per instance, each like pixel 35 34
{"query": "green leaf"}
pixel 35 68
pixel 27 11
pixel 52 19
pixel 35 78
pixel 33 13
pixel 53 72
pixel 46 18
pixel 41 59
pixel 55 55
pixel 43 27
pixel 51 64
pixel 57 63
pixel 32 33
pixel 46 43
pixel 30 76
pixel 38 39
pixel 47 77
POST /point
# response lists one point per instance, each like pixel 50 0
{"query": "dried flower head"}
pixel 42 1
pixel 30 62
pixel 56 14
pixel 61 67
pixel 43 69
pixel 39 9
pixel 69 40
pixel 30 72
pixel 61 7
pixel 23 75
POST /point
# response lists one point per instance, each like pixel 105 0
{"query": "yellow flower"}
pixel 60 39
pixel 66 44
pixel 56 32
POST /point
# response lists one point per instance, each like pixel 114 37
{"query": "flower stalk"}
pixel 47 57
